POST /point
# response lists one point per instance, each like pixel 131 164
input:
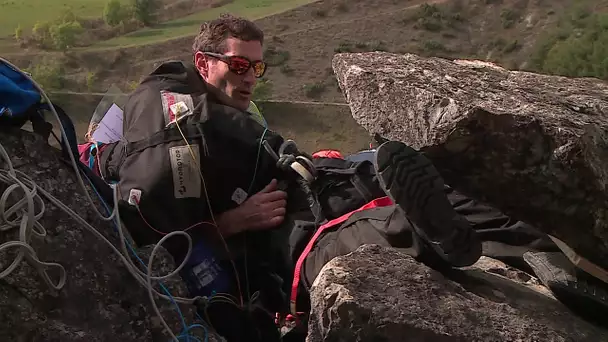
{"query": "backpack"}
pixel 343 185
pixel 18 96
pixel 21 101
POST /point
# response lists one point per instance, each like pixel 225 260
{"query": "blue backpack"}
pixel 21 101
pixel 18 95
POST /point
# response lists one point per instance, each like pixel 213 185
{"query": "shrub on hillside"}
pixel 18 33
pixel 320 13
pixel 431 17
pixel 512 46
pixel 433 46
pixel 376 45
pixel 429 10
pixel 145 10
pixel 64 35
pixel 49 74
pixel 275 57
pixel 41 33
pixel 344 47
pixel 314 90
pixel 132 85
pixel 287 70
pixel 262 90
pixel 60 33
pixel 114 13
pixel 67 16
pixel 508 18
pixel 90 81
pixel 577 48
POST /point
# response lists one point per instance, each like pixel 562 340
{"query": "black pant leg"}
pixel 504 238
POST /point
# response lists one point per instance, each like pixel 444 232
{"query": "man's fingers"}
pixel 268 207
pixel 272 186
pixel 270 219
pixel 269 223
pixel 275 221
pixel 273 196
pixel 281 211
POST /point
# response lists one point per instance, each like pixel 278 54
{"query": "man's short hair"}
pixel 213 34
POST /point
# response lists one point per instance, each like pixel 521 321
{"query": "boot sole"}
pixel 413 183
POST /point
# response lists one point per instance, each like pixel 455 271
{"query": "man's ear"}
pixel 202 64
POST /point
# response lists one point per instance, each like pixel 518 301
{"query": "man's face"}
pixel 232 89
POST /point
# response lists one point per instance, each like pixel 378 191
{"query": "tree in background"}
pixel 61 33
pixel 577 48
pixel 41 34
pixel 64 34
pixel 114 13
pixel 145 10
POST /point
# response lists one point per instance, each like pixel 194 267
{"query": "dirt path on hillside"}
pixel 352 20
pixel 309 29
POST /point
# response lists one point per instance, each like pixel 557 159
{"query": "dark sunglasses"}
pixel 240 65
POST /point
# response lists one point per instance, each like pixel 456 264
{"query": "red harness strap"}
pixel 379 202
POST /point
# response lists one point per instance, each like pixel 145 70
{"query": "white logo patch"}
pixel 176 106
pixel 179 110
pixel 186 178
pixel 239 196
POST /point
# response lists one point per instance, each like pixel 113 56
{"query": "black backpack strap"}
pixel 335 165
pixel 190 131
pixel 361 188
pixel 71 145
pixel 346 167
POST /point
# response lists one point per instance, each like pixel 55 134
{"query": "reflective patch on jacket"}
pixel 176 106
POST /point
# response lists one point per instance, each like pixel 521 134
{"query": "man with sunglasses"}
pixel 192 160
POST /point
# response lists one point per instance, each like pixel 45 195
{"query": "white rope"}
pixel 28 224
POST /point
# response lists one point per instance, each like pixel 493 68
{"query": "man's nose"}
pixel 249 77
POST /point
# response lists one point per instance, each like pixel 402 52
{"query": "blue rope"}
pixel 186 328
pixel 185 332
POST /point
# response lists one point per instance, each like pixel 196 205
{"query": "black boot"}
pixel 413 183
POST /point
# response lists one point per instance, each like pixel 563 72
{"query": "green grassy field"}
pixel 27 12
pixel 189 25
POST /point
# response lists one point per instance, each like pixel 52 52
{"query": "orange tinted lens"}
pixel 259 68
pixel 239 65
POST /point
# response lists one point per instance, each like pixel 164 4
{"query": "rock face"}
pixel 535 146
pixel 100 301
pixel 380 294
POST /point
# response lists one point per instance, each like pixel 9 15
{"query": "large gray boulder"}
pixel 100 301
pixel 535 146
pixel 381 294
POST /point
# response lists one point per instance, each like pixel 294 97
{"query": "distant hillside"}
pixel 550 36
pixel 90 24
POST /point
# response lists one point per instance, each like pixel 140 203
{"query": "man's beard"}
pixel 222 96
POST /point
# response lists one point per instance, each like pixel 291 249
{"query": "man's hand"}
pixel 264 210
